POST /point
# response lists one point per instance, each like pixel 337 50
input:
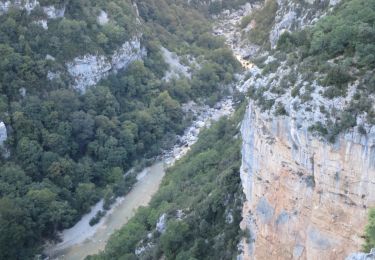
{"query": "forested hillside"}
pixel 197 211
pixel 90 89
pixel 309 133
pixel 66 148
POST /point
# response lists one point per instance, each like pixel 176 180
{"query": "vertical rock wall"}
pixel 306 199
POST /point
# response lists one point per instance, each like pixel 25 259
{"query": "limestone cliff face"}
pixel 3 133
pixel 306 199
pixel 88 70
pixel 292 15
pixel 27 5
pixel 51 11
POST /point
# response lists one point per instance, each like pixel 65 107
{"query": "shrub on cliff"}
pixel 370 232
pixel 264 19
pixel 205 187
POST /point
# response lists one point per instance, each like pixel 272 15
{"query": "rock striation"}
pixel 306 199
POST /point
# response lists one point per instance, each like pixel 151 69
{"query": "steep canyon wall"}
pixel 306 199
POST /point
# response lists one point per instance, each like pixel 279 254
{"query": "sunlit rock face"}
pixel 42 23
pixel 3 137
pixel 53 13
pixel 161 224
pixel 306 198
pixel 102 18
pixel 3 133
pixel 27 5
pixel 88 70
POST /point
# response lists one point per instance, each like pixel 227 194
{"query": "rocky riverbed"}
pixel 203 115
pixel 227 25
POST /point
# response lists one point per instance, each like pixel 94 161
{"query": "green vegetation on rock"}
pixel 370 231
pixel 263 20
pixel 331 59
pixel 200 200
pixel 67 149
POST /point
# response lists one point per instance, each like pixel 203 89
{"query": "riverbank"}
pixel 82 239
pixel 196 212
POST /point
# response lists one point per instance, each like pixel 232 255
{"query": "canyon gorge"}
pixel 262 111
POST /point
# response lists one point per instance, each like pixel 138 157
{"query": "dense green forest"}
pixel 68 150
pixel 201 199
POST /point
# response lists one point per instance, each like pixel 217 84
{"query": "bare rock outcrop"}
pixel 27 5
pixel 52 12
pixel 88 70
pixel 306 198
pixel 3 133
pixel 292 15
pixel 362 256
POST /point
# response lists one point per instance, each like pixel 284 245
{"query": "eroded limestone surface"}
pixel 306 199
pixel 90 69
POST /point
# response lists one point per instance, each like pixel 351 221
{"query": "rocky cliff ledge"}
pixel 90 69
pixel 51 11
pixel 306 199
